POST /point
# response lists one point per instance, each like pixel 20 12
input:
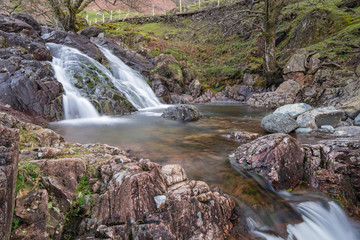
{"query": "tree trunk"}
pixel 272 13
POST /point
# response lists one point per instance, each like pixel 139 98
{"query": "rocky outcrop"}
pixel 9 142
pixel 183 113
pixel 284 94
pixel 276 157
pixel 243 136
pixel 91 32
pixel 278 123
pixel 26 80
pixel 98 191
pixel 332 166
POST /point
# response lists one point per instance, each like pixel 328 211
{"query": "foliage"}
pixel 28 177
pixel 15 223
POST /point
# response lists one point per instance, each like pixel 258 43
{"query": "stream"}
pixel 202 148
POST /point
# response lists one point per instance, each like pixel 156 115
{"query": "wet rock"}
pixel 183 113
pixel 293 110
pixel 276 157
pixel 32 210
pixel 74 40
pixel 244 136
pixel 91 32
pixel 319 117
pixel 278 123
pixel 332 166
pixel 8 172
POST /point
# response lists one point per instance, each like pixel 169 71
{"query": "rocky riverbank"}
pixel 79 191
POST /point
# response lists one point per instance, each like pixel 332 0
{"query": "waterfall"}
pixel 75 106
pixel 131 83
pixel 320 222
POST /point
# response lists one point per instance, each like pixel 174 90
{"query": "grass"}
pixel 28 178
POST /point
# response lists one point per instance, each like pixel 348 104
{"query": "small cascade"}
pixel 75 106
pixel 320 221
pixel 131 83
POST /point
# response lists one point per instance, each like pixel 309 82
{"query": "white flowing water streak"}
pixel 131 83
pixel 75 106
pixel 320 223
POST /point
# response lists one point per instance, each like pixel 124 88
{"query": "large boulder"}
pixel 319 117
pixel 9 155
pixel 91 32
pixel 183 113
pixel 278 123
pixel 296 63
pixel 276 157
pixel 352 107
pixel 293 110
pixel 26 78
pixel 29 20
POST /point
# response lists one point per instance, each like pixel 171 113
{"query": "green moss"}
pixel 16 223
pixel 28 177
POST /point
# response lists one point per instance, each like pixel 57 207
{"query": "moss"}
pixel 28 177
pixel 16 223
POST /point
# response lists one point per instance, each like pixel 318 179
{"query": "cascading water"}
pixel 131 83
pixel 319 222
pixel 75 106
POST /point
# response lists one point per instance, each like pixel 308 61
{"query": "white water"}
pixel 320 223
pixel 131 83
pixel 75 106
pixel 68 61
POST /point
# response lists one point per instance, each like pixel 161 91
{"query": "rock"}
pixel 327 129
pixel 91 32
pixel 347 131
pixel 332 166
pixel 9 155
pixel 167 66
pixel 304 130
pixel 173 174
pixel 32 210
pixel 293 110
pixel 314 63
pixel 352 107
pixel 29 20
pixel 319 117
pixel 278 123
pixel 183 113
pixel 284 94
pixel 61 177
pixel 276 157
pixel 244 136
pixel 357 120
pixel 206 97
pixel 74 40
pixel 195 88
pixel 296 63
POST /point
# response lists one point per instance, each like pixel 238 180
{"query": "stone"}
pixel 289 87
pixel 352 107
pixel 314 63
pixel 357 120
pixel 293 110
pixel 9 155
pixel 61 177
pixel 29 20
pixel 32 209
pixel 347 131
pixel 296 63
pixel 206 97
pixel 320 116
pixel 183 113
pixel 276 157
pixel 91 32
pixel 304 130
pixel 243 136
pixel 327 129
pixel 173 174
pixel 278 123
pixel 195 88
